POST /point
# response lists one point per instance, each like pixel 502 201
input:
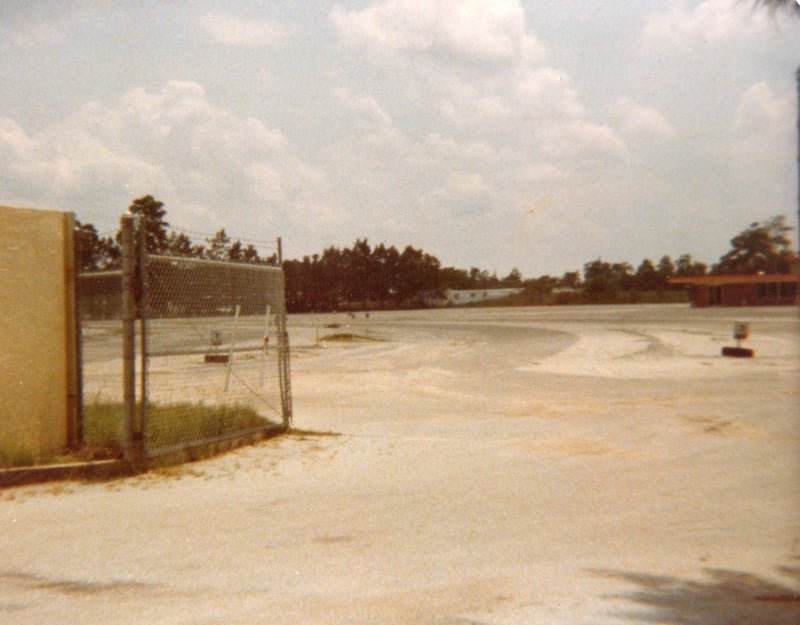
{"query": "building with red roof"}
pixel 744 290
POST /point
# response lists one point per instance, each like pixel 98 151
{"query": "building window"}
pixel 788 290
pixel 768 290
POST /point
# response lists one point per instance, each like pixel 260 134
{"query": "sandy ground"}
pixel 564 465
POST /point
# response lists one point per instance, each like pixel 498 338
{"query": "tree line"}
pixel 365 277
pixel 97 252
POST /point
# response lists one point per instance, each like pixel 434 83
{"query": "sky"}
pixel 498 134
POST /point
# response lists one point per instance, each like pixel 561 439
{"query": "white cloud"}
pixel 173 143
pixel 546 92
pixel 764 124
pixel 578 143
pixel 540 173
pixel 466 184
pixel 762 111
pixel 465 105
pixel 364 105
pixel 14 139
pixel 492 122
pixel 706 22
pixel 375 126
pixel 526 107
pixel 463 29
pixel 396 25
pixel 32 24
pixel 232 30
pixel 484 30
pixel 638 120
pixel 62 162
pixel 445 122
pixel 503 141
pixel 178 101
pixel 593 137
pixel 448 148
pixel 40 33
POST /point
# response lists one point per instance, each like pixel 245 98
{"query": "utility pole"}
pixel 798 159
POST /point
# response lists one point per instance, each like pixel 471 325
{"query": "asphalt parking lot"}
pixel 587 465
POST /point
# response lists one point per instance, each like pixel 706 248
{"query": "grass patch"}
pixel 168 424
pixel 102 425
pixel 172 424
pixel 303 434
pixel 348 336
pixel 16 455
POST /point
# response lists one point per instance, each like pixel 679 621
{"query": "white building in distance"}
pixel 455 297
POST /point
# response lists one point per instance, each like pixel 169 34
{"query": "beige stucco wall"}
pixel 36 330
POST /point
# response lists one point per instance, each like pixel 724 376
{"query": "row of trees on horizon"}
pixel 383 277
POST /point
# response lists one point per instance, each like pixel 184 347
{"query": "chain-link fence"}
pixel 214 351
pixel 99 303
pixel 179 352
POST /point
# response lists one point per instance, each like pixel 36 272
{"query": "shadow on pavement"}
pixel 723 597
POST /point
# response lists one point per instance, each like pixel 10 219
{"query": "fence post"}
pixel 284 374
pixel 75 396
pixel 140 421
pixel 128 336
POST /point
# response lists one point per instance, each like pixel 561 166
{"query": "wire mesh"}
pixel 100 295
pixel 214 347
pixel 99 299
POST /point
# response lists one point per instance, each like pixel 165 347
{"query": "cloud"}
pixel 546 92
pixel 473 105
pixel 637 120
pixel 532 109
pixel 365 106
pixel 33 35
pixel 63 162
pixel 487 131
pixel 470 30
pixel 761 111
pixel 13 138
pixel 173 143
pixel 28 25
pixel 703 23
pixel 503 140
pixel 524 105
pixel 237 31
pixel 374 126
pixel 592 137
pixel 469 184
pixel 540 173
pixel 448 148
pixel 764 124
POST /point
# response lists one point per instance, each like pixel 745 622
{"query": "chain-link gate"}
pixel 180 352
pixel 215 354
